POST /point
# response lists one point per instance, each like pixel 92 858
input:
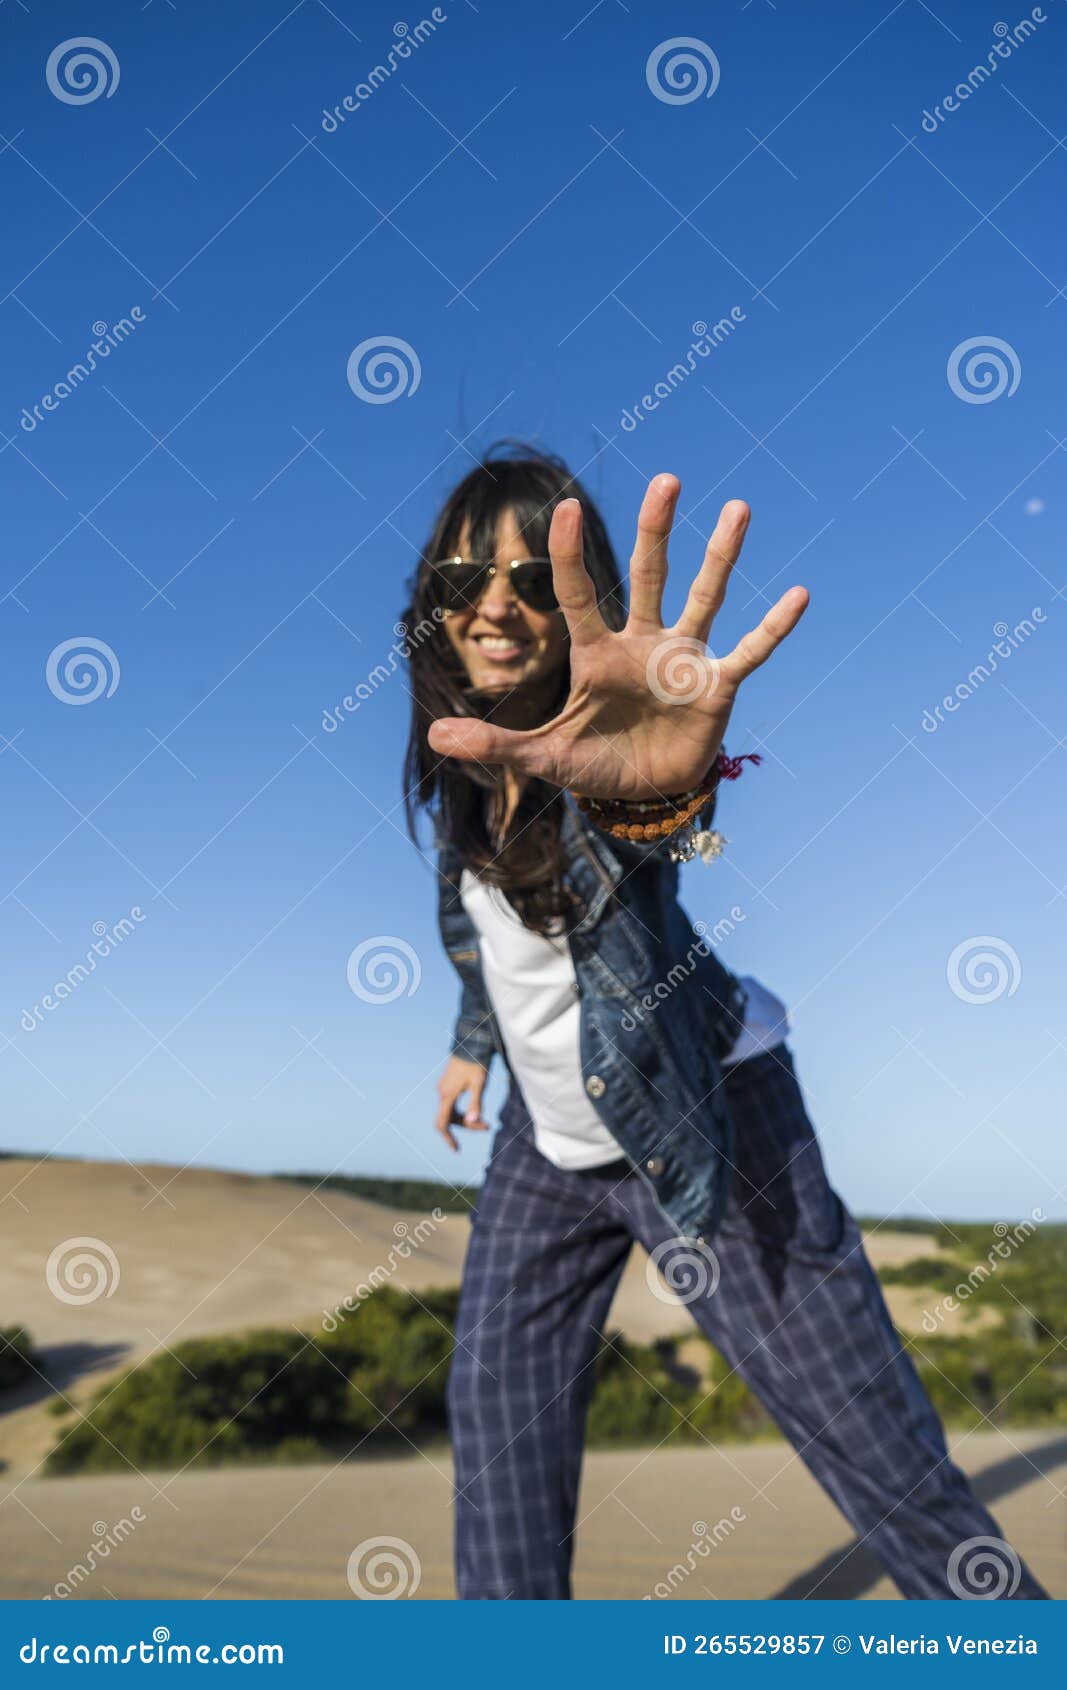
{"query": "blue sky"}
pixel 217 507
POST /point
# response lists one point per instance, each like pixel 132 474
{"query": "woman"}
pixel 569 751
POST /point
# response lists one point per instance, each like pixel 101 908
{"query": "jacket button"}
pixel 655 1166
pixel 595 1086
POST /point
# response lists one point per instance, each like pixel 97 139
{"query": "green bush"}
pixel 933 1273
pixel 276 1395
pixel 377 1382
pixel 19 1360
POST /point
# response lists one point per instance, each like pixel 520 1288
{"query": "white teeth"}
pixel 497 643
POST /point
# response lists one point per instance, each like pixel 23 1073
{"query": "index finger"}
pixel 443 1123
pixel 574 590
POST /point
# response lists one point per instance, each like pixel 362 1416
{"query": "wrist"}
pixel 649 821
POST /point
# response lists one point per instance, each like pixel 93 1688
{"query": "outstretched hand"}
pixel 648 706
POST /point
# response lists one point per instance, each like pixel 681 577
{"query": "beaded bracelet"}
pixel 645 820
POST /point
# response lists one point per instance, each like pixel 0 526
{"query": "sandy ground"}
pixel 289 1532
pixel 200 1251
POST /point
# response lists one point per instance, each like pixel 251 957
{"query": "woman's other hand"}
pixel 458 1078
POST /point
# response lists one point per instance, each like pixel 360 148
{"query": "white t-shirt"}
pixel 532 987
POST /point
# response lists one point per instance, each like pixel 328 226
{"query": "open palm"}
pixel 648 706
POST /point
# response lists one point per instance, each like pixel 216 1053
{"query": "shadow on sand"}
pixel 64 1364
pixel 851 1571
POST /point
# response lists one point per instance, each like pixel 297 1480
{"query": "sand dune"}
pixel 201 1251
pixel 186 1252
pixel 197 1251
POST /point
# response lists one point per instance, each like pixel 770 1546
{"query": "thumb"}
pixel 477 742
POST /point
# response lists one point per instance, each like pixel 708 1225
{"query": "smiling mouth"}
pixel 500 648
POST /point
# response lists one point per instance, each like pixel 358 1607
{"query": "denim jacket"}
pixel 658 1012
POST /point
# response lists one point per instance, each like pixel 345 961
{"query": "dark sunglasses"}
pixel 463 580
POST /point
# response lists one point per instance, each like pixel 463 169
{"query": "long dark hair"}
pixel 465 798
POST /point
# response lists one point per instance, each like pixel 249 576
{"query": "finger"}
pixel 445 1116
pixel 709 586
pixel 574 590
pixel 475 741
pixel 471 1123
pixel 755 647
pixel 473 1114
pixel 648 565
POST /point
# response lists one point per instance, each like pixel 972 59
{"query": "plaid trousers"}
pixel 797 1311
